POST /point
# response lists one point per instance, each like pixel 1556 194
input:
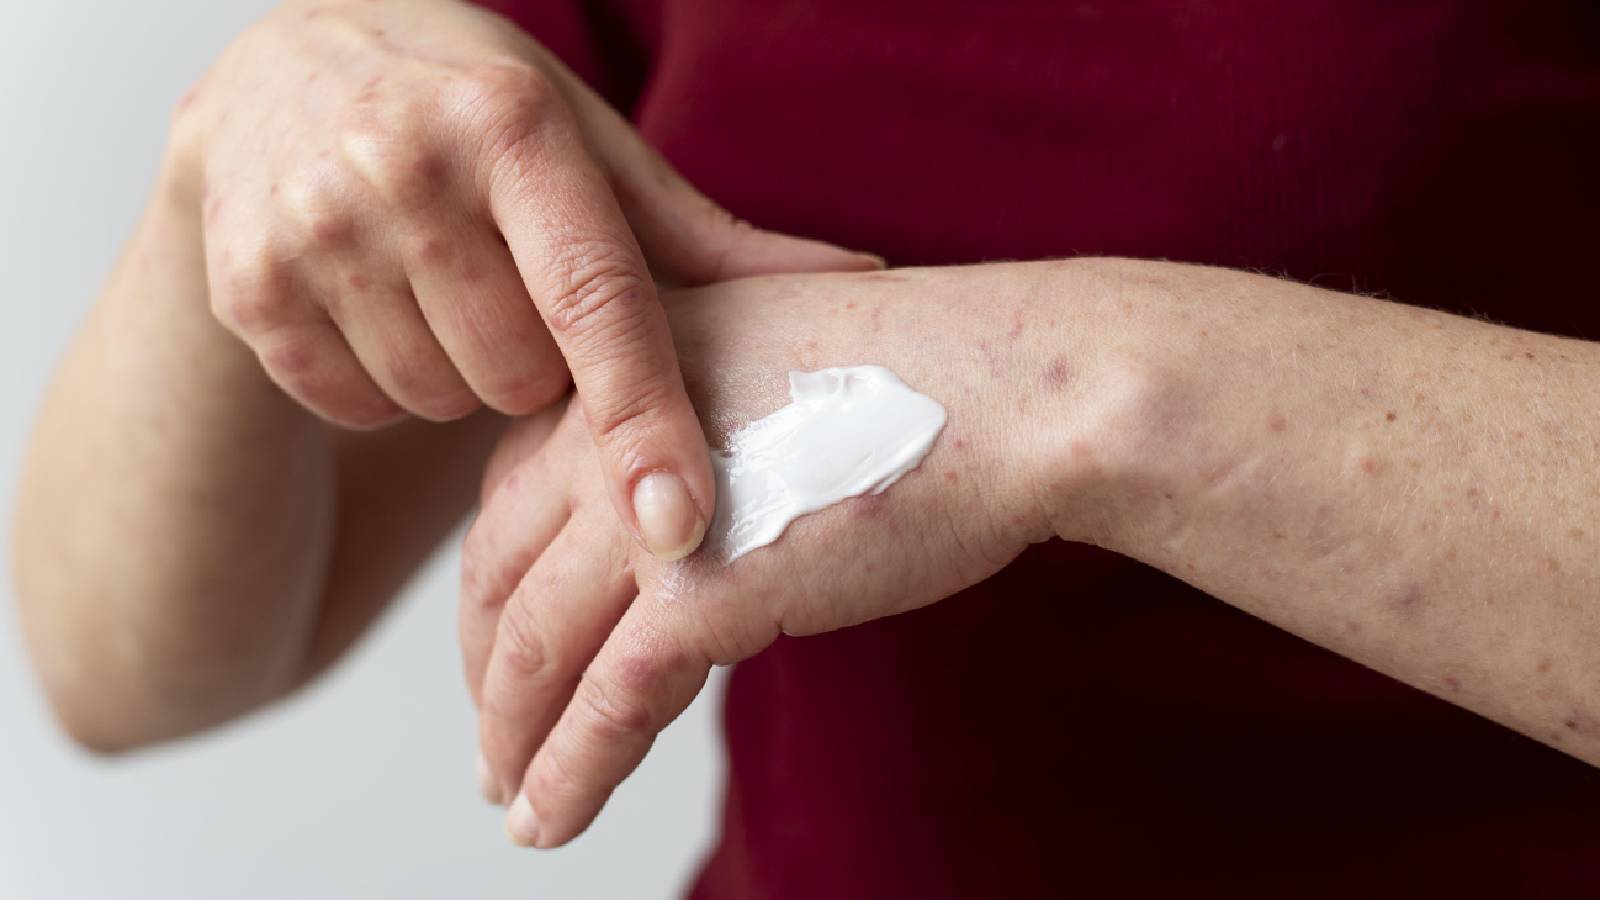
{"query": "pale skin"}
pixel 199 532
pixel 1414 490
pixel 411 209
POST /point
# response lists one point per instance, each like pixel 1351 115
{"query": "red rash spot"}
pixel 1410 600
pixel 1276 423
pixel 471 275
pixel 330 231
pixel 961 443
pixel 1059 374
pixel 1371 466
pixel 951 477
pixel 433 250
pixel 1452 682
pixel 1353 627
pixel 1016 327
pixel 1544 666
pixel 358 282
pixel 850 305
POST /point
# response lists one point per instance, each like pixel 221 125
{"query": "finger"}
pixel 550 629
pixel 519 521
pixel 394 344
pixel 642 679
pixel 263 301
pixel 473 299
pixel 581 266
pixel 312 363
pixel 686 237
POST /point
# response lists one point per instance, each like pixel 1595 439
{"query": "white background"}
pixel 362 787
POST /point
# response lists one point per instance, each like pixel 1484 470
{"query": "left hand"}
pixel 580 647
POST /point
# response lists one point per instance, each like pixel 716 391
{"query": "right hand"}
pixel 412 207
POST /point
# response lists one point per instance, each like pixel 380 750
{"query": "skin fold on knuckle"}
pixel 519 646
pixel 502 112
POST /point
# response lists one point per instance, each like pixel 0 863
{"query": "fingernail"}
pixel 521 823
pixel 877 261
pixel 487 783
pixel 668 520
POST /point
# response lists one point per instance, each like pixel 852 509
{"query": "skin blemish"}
pixel 1016 327
pixel 358 282
pixel 960 443
pixel 1370 465
pixel 1452 682
pixel 1390 416
pixel 1572 725
pixel 1059 374
pixel 877 320
pixel 1353 626
pixel 434 250
pixel 1410 600
pixel 850 305
pixel 1543 667
pixel 1276 423
pixel 952 477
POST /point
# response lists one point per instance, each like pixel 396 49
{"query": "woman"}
pixel 1404 489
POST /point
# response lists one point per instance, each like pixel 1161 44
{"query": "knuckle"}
pixel 425 384
pixel 251 296
pixel 522 394
pixel 292 355
pixel 600 293
pixel 317 205
pixel 400 165
pixel 497 106
pixel 521 647
pixel 612 710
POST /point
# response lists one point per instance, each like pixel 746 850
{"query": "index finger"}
pixel 586 275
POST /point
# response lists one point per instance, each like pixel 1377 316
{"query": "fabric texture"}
pixel 1081 724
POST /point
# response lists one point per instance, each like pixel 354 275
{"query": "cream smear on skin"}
pixel 847 432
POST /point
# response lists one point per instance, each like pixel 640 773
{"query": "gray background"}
pixel 363 786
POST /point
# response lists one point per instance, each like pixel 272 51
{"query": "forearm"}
pixel 176 510
pixel 1417 491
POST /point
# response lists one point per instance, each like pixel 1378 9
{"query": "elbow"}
pixel 112 691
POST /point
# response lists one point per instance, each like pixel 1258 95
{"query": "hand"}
pixel 412 207
pixel 579 649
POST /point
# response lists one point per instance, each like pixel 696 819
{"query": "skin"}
pixel 411 208
pixel 1417 491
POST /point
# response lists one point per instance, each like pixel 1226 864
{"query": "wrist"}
pixel 1121 397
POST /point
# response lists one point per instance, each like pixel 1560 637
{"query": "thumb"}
pixel 688 239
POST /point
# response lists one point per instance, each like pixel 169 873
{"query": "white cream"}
pixel 848 432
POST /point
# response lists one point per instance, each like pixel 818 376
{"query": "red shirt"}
pixel 1081 724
